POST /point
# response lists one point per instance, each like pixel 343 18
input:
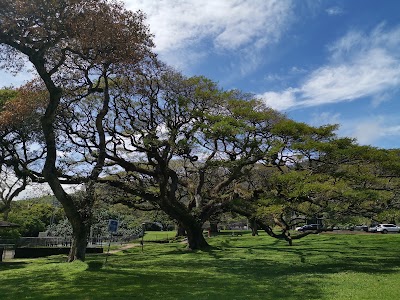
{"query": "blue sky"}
pixel 317 61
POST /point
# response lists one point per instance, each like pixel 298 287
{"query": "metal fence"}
pixel 62 241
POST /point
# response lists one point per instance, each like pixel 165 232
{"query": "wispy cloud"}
pixel 359 66
pixel 334 11
pixel 234 26
pixel 325 118
pixel 367 130
pixel 378 129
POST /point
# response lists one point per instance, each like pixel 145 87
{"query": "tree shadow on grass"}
pixel 189 282
pixel 302 261
pixel 32 285
pixel 258 271
pixel 94 266
pixel 11 265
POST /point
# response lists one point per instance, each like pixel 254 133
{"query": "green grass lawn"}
pixel 325 266
pixel 159 235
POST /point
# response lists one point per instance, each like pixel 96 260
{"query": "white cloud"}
pixel 274 77
pixel 325 118
pixel 334 11
pixel 280 101
pixel 378 99
pixel 286 76
pixel 34 190
pixel 230 24
pixel 370 130
pixel 370 73
pixel 392 131
pixel 359 66
pixel 367 130
pixel 355 43
pixel 296 70
pixel 183 57
pixel 221 25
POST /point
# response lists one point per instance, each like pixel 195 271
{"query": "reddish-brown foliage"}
pixel 26 106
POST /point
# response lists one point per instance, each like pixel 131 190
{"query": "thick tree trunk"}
pixel 190 224
pixel 214 227
pixel 196 240
pixel 78 247
pixel 81 223
pixel 253 226
pixel 254 231
pixel 194 234
pixel 80 235
pixel 180 231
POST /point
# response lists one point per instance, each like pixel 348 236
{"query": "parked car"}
pixel 359 228
pixel 372 228
pixel 385 228
pixel 309 227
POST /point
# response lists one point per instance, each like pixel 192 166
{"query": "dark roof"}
pixel 5 224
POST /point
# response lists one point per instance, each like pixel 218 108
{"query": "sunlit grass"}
pixel 325 266
pixel 159 235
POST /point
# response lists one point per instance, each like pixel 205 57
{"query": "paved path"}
pixel 124 247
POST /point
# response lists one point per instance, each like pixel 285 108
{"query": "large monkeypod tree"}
pixel 185 146
pixel 76 48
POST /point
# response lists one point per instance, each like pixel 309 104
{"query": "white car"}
pixel 309 227
pixel 385 228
